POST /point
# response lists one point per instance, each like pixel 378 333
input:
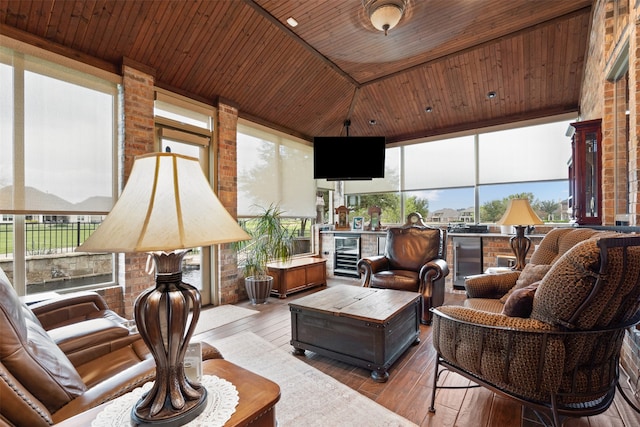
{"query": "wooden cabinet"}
pixel 297 274
pixel 585 167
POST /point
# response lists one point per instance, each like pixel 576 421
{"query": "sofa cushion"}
pixel 520 303
pixel 531 273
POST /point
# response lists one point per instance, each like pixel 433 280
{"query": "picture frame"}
pixel 358 222
pixel 343 218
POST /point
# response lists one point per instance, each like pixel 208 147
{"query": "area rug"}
pixel 308 396
pixel 221 315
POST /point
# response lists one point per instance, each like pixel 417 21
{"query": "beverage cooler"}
pixel 347 254
pixel 467 259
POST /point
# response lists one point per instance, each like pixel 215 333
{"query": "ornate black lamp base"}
pixel 186 415
pixel 162 317
pixel 520 245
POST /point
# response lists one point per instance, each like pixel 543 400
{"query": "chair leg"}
pixel 432 408
pixel 626 398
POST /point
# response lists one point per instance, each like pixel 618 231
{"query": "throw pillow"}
pixel 531 273
pixel 520 303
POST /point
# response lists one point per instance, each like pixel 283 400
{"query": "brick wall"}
pixel 231 285
pixel 138 129
pixel 612 25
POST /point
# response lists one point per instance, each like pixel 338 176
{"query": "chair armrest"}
pixel 109 389
pixel 490 285
pixel 68 309
pixel 432 271
pixel 370 265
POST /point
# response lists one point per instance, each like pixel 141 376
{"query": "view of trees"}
pixel 390 205
pixel 490 212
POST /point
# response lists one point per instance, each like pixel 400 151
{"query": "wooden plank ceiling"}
pixel 334 66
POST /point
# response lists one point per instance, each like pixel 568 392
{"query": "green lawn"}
pixel 46 238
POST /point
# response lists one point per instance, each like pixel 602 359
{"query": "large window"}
pixel 275 169
pixel 469 178
pixel 57 139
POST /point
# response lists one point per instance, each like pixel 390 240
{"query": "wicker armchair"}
pixel 562 360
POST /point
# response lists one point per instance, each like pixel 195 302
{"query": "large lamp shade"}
pixel 520 214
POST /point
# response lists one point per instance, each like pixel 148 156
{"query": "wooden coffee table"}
pixel 257 397
pixel 366 327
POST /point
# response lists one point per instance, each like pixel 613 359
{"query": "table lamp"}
pixel 166 208
pixel 519 214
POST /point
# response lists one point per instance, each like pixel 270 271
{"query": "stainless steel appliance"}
pixel 347 254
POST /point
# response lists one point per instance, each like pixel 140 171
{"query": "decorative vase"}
pixel 258 289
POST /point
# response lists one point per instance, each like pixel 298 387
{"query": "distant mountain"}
pixel 95 204
pixel 40 201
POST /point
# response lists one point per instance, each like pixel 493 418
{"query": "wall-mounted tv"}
pixel 343 158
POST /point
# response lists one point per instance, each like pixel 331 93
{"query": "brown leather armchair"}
pixel 413 260
pixel 39 386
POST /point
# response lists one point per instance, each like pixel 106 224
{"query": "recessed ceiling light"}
pixel 372 122
pixel 292 22
pixel 428 109
pixel 491 95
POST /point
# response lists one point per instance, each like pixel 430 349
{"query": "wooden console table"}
pixel 257 397
pixel 297 275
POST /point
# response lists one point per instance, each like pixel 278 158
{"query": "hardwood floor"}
pixel 408 390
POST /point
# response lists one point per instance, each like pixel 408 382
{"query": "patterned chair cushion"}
pixel 569 282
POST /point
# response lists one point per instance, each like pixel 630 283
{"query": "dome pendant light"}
pixel 385 14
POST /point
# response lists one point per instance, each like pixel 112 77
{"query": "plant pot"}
pixel 258 289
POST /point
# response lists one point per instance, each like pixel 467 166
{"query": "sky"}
pixel 463 198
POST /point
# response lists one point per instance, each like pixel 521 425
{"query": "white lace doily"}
pixel 222 399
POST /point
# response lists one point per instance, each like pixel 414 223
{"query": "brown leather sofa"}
pixel 40 386
pixel 413 260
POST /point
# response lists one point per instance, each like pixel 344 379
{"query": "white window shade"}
pixel 390 182
pixel 447 163
pixel 273 169
pixel 58 156
pixel 534 153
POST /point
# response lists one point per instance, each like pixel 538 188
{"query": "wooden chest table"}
pixel 297 274
pixel 366 327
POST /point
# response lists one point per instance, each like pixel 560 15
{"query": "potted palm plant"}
pixel 270 241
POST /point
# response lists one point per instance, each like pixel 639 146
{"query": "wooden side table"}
pixel 257 397
pixel 297 275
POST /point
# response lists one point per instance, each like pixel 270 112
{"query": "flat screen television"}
pixel 344 158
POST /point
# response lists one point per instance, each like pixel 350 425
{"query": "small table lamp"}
pixel 520 214
pixel 166 208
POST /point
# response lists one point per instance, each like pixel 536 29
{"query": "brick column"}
pixel 634 123
pixel 231 285
pixel 138 139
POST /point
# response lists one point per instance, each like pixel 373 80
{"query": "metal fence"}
pixel 47 238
